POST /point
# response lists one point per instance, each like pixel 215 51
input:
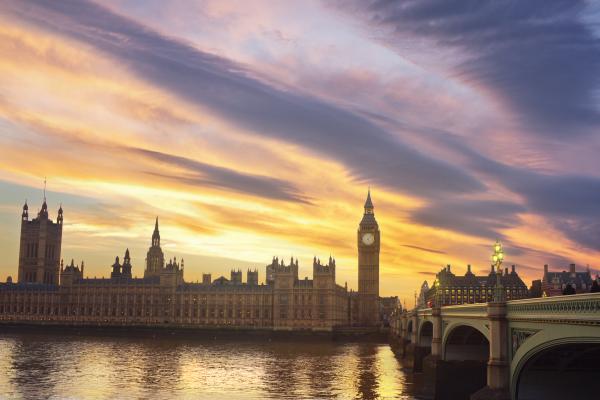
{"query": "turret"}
pixel 59 219
pixel 71 274
pixel 126 270
pixel 44 211
pixel 324 274
pixel 25 215
pixel 155 258
pixel 252 277
pixel 236 277
pixel 116 269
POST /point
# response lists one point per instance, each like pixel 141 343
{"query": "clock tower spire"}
pixel 368 238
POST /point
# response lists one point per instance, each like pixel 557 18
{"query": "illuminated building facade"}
pixel 452 289
pixel 163 298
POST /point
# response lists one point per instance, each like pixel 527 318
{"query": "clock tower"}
pixel 368 238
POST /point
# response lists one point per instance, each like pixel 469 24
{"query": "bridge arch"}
pixel 463 341
pixel 557 369
pixel 425 334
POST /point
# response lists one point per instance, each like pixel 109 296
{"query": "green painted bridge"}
pixel 528 347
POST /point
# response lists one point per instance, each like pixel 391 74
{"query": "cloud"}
pixel 230 91
pixel 423 249
pixel 482 218
pixel 570 202
pixel 202 174
pixel 538 56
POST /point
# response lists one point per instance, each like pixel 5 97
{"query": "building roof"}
pixel 567 277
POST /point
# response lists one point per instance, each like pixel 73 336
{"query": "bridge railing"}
pixel 579 309
pixel 463 310
pixel 477 310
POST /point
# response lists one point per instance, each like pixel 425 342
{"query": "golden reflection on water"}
pixel 33 365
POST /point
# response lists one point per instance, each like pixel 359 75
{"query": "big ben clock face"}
pixel 368 239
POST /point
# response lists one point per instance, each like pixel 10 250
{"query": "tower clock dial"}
pixel 368 239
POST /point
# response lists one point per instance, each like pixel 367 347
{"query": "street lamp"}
pixel 497 257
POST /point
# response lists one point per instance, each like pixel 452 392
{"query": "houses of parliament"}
pixel 52 293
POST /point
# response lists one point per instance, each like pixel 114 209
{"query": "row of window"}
pixel 483 291
pixel 131 312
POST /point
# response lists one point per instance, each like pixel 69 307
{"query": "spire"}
pixel 369 204
pixel 156 235
pixel 25 215
pixel 59 219
pixel 368 220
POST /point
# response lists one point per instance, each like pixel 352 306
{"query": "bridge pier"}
pixel 497 367
pixel 400 341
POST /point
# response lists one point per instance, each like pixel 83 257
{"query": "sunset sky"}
pixel 253 129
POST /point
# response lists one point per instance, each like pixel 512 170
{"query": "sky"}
pixel 254 129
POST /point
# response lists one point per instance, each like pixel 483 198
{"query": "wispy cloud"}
pixel 249 145
pixel 539 57
pixel 229 90
pixel 197 173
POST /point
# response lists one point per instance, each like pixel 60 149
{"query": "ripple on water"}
pixel 55 365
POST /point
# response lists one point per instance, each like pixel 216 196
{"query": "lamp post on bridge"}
pixel 497 366
pixel 497 258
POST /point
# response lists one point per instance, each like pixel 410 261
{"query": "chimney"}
pixel 448 267
pixel 572 269
pixel 513 269
pixel 468 268
pixel 545 269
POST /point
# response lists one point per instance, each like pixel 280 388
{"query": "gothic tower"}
pixel 155 259
pixel 368 239
pixel 40 244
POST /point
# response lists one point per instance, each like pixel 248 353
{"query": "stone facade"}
pixel 451 289
pixel 163 298
pixel 40 243
pixel 554 283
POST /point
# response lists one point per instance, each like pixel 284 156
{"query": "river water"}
pixel 56 365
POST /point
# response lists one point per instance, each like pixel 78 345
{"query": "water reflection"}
pixel 58 366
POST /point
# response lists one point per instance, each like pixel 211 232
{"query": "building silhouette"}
pixel 368 241
pixel 49 292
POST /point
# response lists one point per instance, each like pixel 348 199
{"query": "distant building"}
pixel 452 289
pixel 387 305
pixel 47 291
pixel 422 299
pixel 536 288
pixel 555 283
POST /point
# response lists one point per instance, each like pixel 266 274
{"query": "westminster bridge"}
pixel 521 349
